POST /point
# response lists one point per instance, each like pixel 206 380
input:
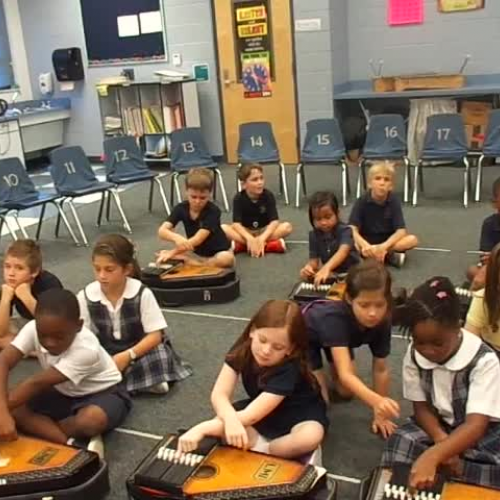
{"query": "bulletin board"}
pixel 123 31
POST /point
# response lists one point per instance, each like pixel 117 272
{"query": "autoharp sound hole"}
pixel 206 471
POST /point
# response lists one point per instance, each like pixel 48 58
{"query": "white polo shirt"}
pixel 88 367
pixel 484 387
pixel 152 318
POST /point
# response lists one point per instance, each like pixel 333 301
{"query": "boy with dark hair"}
pixel 490 237
pixel 205 242
pixel 77 395
pixel 256 227
pixel 24 281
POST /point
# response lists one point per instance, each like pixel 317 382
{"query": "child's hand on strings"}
pixel 321 276
pixel 235 434
pixel 190 440
pixel 164 255
pixel 386 409
pixel 423 472
pixel 8 431
pixel 383 427
pixel 307 272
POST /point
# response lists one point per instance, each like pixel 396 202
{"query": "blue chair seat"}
pixel 30 202
pixel 389 155
pixel 128 178
pixel 311 158
pixel 97 188
pixel 443 155
pixel 184 169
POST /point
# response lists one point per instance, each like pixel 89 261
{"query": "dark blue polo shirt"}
pixel 490 233
pixel 332 323
pixel 323 246
pixel 377 221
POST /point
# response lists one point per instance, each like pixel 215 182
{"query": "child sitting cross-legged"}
pixel 256 227
pixel 205 242
pixel 77 394
pixel 377 219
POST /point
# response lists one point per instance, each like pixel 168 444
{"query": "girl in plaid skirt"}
pixel 451 377
pixel 125 315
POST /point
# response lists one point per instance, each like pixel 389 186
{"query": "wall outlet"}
pixel 176 59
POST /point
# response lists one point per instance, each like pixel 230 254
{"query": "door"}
pixel 257 79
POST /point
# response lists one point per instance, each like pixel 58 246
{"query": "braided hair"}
pixel 436 300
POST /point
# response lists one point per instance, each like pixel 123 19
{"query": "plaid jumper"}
pixel 481 463
pixel 161 364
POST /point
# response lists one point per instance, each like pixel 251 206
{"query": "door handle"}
pixel 226 77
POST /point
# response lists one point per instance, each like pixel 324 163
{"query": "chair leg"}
pixel 222 189
pixel 343 166
pixel 108 208
pixel 283 180
pixel 406 186
pixel 479 179
pixel 77 222
pixel 303 180
pixel 116 197
pixel 172 189
pixel 15 215
pixel 360 179
pixel 415 183
pixel 298 183
pixel 12 233
pixel 466 181
pixel 348 178
pixel 421 180
pixel 62 215
pixel 151 194
pixel 177 187
pixel 101 208
pixel 238 183
pixel 40 221
pixel 163 194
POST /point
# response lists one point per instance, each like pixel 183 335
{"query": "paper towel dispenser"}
pixel 68 64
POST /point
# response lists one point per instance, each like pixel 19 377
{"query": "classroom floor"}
pixel 203 334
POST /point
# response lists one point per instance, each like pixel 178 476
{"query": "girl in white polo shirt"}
pixel 126 318
pixel 77 394
pixel 452 378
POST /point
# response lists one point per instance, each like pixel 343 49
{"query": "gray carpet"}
pixel 350 449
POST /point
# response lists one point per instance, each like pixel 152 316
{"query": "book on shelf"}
pixel 172 117
pixel 112 123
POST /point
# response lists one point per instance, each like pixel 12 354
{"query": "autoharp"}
pixel 333 289
pixel 34 468
pixel 176 283
pixel 392 484
pixel 214 471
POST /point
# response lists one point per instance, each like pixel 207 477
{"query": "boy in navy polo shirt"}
pixel 490 236
pixel 205 242
pixel 256 227
pixel 377 219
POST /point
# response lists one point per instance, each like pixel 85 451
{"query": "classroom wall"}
pixel 5 59
pixel 439 44
pixel 188 25
pixel 340 41
pixel 314 62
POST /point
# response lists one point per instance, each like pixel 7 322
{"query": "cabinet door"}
pixel 10 140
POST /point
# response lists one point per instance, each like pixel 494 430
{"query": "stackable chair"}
pixel 18 193
pixel 188 150
pixel 257 144
pixel 385 140
pixel 125 165
pixel 73 178
pixel 491 148
pixel 323 144
pixel 445 140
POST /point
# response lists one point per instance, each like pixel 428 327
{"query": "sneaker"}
pixel 238 247
pixel 94 444
pixel 396 259
pixel 161 388
pixel 276 246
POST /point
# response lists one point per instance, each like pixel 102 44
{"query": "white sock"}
pixel 261 445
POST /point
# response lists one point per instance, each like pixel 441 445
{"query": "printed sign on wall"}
pixel 254 48
pixel 460 5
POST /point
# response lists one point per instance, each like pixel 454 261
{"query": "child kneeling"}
pixel 78 395
pixel 285 414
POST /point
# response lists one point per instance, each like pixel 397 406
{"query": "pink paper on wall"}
pixel 405 12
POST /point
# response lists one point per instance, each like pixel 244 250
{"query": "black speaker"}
pixel 68 64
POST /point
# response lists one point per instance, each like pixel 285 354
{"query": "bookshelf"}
pixel 150 111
